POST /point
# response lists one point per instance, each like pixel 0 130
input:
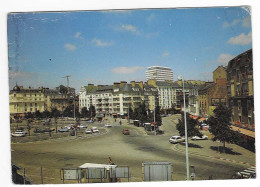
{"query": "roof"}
pixel 93 165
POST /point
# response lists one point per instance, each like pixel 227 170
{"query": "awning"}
pixel 195 117
pixel 202 119
pixel 243 131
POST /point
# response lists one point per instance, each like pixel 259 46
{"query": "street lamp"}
pixel 154 118
pixel 186 137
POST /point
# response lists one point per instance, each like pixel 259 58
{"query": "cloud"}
pixel 69 47
pixel 127 70
pixel 78 35
pixel 152 34
pixel 99 43
pixel 231 24
pixel 223 59
pixel 241 39
pixel 20 74
pixel 165 54
pixel 127 28
pixel 246 22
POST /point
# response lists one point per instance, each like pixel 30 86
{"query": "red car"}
pixel 126 132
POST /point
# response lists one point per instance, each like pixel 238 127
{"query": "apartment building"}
pixel 159 73
pixel 118 98
pixel 23 100
pixel 240 91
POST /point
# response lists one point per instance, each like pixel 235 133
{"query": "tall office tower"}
pixel 159 73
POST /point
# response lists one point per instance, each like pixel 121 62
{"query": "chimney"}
pixel 141 84
pixel 116 85
pixel 133 83
pixel 99 86
pixel 122 83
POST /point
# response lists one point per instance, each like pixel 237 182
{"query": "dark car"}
pixel 126 132
pixel 38 130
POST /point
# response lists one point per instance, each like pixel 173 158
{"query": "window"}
pixel 239 104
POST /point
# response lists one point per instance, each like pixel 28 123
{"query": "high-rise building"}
pixel 159 73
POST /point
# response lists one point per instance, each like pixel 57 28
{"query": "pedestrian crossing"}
pixel 248 173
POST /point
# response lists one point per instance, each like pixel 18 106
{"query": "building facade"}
pixel 118 98
pixel 159 73
pixel 24 100
pixel 240 89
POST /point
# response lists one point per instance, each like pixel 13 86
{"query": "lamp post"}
pixel 186 137
pixel 154 118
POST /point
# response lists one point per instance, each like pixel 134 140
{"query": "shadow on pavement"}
pixel 192 145
pixel 220 149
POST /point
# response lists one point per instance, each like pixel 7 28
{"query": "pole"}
pixel 128 116
pixel 186 137
pixel 23 175
pixel 74 107
pixel 41 176
pixel 154 118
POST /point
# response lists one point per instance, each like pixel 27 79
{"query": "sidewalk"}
pixel 209 149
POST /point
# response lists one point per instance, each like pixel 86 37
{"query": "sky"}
pixel 102 47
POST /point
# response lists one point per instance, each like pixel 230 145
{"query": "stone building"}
pixel 24 100
pixel 240 89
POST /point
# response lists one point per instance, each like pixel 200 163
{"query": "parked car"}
pixel 88 131
pixel 63 129
pixel 204 137
pixel 108 125
pixel 82 126
pixel 18 133
pixel 126 132
pixel 38 130
pixel 94 129
pixel 176 139
pixel 90 121
pixel 69 126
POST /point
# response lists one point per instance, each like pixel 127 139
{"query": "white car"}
pixel 108 125
pixel 82 126
pixel 69 126
pixel 88 131
pixel 204 137
pixel 176 139
pixel 94 129
pixel 19 133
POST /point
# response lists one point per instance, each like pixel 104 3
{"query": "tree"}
pixel 46 114
pixel 141 113
pixel 63 89
pixel 92 111
pixel 55 123
pixel 192 129
pixel 55 113
pixel 84 112
pixel 29 127
pixel 68 112
pixel 158 118
pixel 38 114
pixel 220 126
pixel 131 113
